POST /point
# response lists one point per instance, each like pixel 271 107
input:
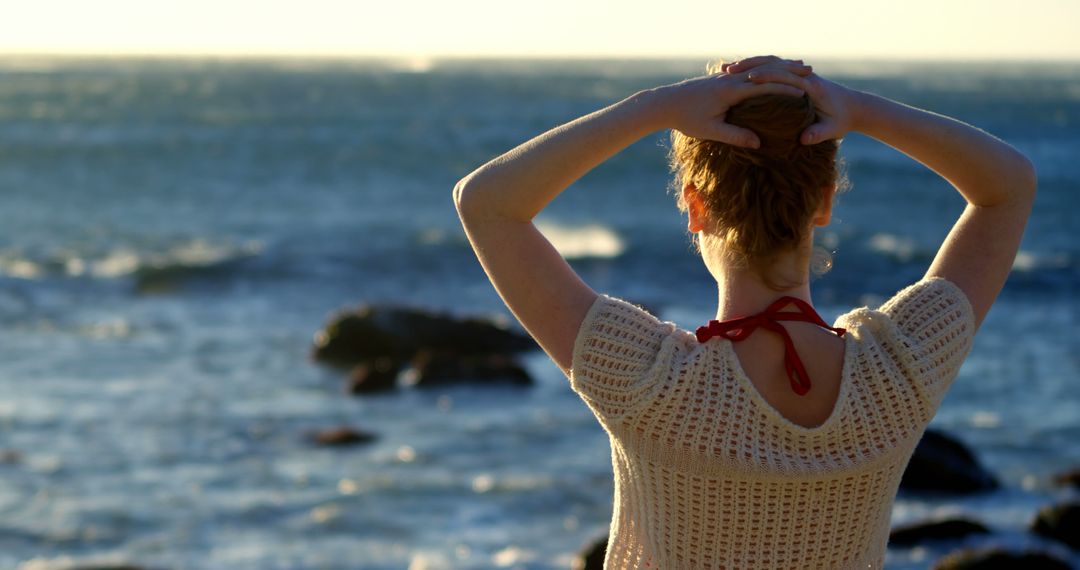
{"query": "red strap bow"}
pixel 740 328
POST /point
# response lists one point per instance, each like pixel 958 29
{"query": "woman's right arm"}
pixel 996 180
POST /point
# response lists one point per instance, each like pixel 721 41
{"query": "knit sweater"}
pixel 709 475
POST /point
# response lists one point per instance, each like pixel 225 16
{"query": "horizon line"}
pixel 357 56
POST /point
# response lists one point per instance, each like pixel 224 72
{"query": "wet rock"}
pixel 1070 477
pixel 996 558
pixel 431 369
pixel 946 529
pixel 375 375
pixel 943 464
pixel 10 457
pixel 341 436
pixel 375 331
pixel 1059 522
pixel 592 556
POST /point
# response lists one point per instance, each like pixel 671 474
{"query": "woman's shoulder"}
pixel 927 328
pixel 925 308
pixel 620 351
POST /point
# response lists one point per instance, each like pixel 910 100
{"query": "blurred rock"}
pixel 1070 477
pixel 592 556
pixel 946 529
pixel 1059 522
pixel 375 375
pixel 943 464
pixel 374 331
pixel 996 558
pixel 10 457
pixel 430 369
pixel 341 436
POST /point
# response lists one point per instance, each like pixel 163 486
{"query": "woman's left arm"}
pixel 499 200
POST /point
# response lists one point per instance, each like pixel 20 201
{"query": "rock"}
pixel 996 558
pixel 943 464
pixel 431 369
pixel 341 436
pixel 369 332
pixel 1070 477
pixel 9 457
pixel 946 529
pixel 1059 522
pixel 375 375
pixel 592 556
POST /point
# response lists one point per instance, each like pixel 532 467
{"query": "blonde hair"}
pixel 760 201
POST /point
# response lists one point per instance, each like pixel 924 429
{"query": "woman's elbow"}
pixel 476 201
pixel 1018 173
pixel 1027 176
pixel 465 198
pixel 459 190
pixel 1014 178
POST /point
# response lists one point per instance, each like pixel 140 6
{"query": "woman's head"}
pixel 758 204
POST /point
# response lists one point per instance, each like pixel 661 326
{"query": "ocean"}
pixel 174 231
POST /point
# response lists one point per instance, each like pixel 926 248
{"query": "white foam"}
pixel 591 240
pixel 116 264
pixel 512 556
pixel 124 261
pixel 15 266
pixel 900 248
pixel 1027 261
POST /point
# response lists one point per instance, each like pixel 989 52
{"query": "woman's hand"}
pixel 837 106
pixel 697 107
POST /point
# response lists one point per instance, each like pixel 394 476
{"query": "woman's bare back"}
pixel 761 357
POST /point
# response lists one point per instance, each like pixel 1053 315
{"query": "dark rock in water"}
pixel 1059 522
pixel 592 556
pixel 943 464
pixel 341 436
pixel 370 332
pixel 1068 478
pixel 431 369
pixel 947 529
pixel 996 558
pixel 375 375
pixel 9 457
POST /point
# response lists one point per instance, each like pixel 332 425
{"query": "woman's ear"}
pixel 824 212
pixel 695 208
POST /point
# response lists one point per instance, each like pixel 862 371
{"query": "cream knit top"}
pixel 709 475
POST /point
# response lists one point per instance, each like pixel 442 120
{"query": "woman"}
pixel 784 448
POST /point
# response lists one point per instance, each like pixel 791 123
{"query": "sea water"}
pixel 173 232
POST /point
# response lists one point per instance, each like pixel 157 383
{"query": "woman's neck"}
pixel 742 292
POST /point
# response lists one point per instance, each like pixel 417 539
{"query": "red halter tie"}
pixel 740 328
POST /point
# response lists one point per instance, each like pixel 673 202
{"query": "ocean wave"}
pixel 149 269
pixel 900 248
pixel 1030 262
pixel 591 240
pixel 905 250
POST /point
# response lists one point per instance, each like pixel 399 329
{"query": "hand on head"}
pixel 832 101
pixel 698 107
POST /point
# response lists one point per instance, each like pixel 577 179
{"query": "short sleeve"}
pixel 617 355
pixel 936 326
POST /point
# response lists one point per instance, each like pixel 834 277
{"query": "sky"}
pixel 861 29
